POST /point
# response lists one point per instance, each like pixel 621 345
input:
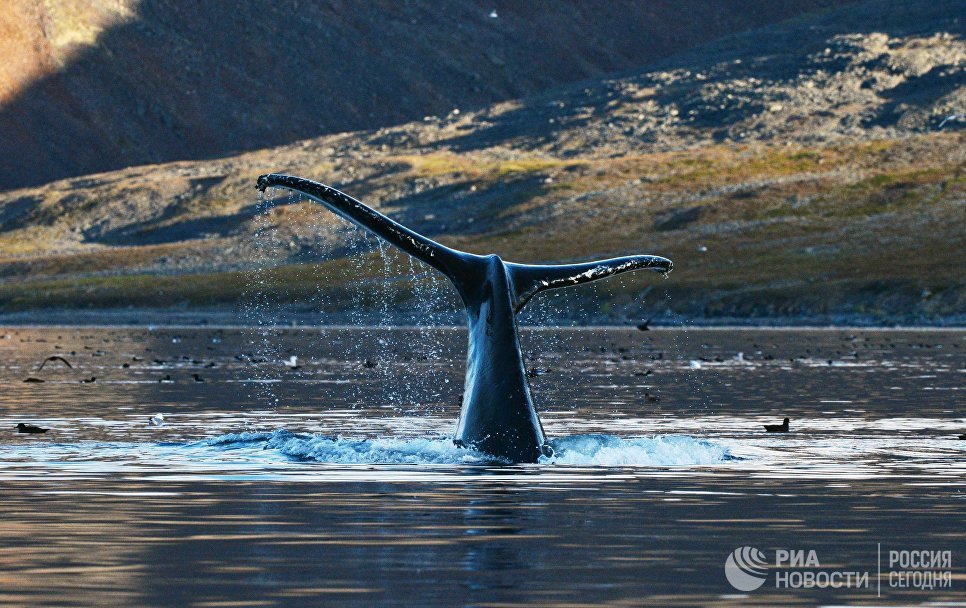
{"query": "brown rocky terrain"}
pixel 92 85
pixel 798 171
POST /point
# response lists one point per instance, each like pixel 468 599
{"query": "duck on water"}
pixel 497 416
pixel 30 429
pixel 777 428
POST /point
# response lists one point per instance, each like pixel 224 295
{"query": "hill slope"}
pixel 89 86
pixel 795 171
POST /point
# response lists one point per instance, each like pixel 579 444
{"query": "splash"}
pixel 343 450
pixel 610 450
pixel 587 450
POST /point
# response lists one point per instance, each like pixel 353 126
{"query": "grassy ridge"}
pixel 871 228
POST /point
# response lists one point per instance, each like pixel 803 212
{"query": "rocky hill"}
pixel 808 170
pixel 93 85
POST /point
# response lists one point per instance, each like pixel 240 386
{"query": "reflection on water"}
pixel 269 485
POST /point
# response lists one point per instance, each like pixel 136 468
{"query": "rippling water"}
pixel 336 481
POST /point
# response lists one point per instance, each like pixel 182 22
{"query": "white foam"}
pixel 610 450
pixel 373 451
pixel 590 450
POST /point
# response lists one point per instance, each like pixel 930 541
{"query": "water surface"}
pixel 336 481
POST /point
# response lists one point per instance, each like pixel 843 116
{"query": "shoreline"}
pixel 526 328
pixel 225 319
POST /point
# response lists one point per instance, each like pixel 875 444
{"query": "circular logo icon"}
pixel 746 568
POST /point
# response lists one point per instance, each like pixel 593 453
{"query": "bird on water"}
pixel 777 428
pixel 29 428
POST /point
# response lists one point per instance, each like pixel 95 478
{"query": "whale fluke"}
pixel 530 279
pixel 448 261
pixel 497 416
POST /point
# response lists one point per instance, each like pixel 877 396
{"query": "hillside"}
pixel 93 85
pixel 792 172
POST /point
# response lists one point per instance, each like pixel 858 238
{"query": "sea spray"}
pixel 369 286
pixel 582 450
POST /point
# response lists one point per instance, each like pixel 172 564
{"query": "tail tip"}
pixel 264 181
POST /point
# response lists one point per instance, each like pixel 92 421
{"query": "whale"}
pixel 497 416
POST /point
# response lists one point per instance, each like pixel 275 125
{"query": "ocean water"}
pixel 332 479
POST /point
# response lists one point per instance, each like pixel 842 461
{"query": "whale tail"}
pixel 530 279
pixel 460 267
pixel 498 416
